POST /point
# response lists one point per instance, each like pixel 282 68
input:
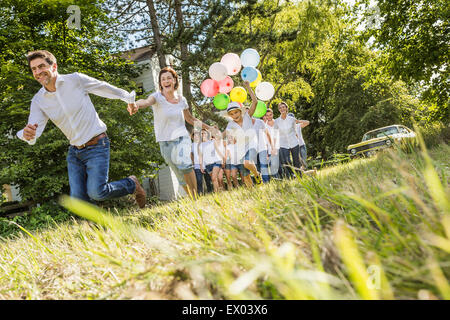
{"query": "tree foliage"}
pixel 416 36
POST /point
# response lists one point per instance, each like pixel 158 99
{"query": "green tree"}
pixel 416 36
pixel 40 170
pixel 352 95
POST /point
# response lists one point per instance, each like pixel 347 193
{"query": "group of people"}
pixel 267 148
pixel 256 148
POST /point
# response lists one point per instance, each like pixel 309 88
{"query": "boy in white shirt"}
pixel 211 156
pixel 241 128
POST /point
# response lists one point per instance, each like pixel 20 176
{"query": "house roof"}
pixel 139 54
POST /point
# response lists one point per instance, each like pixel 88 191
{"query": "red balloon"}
pixel 209 88
pixel 226 85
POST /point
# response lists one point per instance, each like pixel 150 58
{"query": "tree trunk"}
pixel 156 33
pixel 184 55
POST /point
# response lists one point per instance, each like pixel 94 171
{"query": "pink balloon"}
pixel 209 88
pixel 226 85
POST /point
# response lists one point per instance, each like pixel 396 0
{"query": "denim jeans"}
pixel 88 174
pixel 303 155
pixel 287 162
pixel 199 178
pixel 274 164
pixel 208 182
pixel 263 165
pixel 177 154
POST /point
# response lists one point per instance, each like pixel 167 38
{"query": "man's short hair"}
pixel 269 110
pixel 43 54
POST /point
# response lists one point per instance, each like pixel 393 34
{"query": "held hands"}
pixel 132 108
pixel 29 132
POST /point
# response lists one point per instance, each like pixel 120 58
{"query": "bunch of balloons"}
pixel 221 85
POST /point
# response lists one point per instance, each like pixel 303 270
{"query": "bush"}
pixel 435 133
pixel 39 217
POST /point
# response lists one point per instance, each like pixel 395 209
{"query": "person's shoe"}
pixel 258 179
pixel 139 194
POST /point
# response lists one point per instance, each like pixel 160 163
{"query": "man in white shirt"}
pixel 64 99
pixel 289 146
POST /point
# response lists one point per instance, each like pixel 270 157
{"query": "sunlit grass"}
pixel 376 228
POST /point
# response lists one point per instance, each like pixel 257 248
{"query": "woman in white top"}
pixel 170 113
pixel 288 141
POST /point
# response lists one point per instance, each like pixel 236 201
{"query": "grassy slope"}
pixel 372 228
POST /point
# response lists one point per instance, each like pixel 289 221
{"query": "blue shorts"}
pixel 250 155
pixel 209 167
pixel 177 154
pixel 230 166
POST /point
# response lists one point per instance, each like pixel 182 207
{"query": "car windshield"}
pixel 380 133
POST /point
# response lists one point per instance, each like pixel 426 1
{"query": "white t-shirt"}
pixel 260 128
pixel 169 118
pixel 286 127
pixel 209 153
pixel 245 136
pixel 232 154
pixel 275 136
pixel 195 153
pixel 298 130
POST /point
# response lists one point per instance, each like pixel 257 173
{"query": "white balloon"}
pixel 250 58
pixel 232 62
pixel 264 91
pixel 218 71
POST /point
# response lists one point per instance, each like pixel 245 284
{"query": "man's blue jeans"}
pixel 303 155
pixel 88 174
pixel 287 163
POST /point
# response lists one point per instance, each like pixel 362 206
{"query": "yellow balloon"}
pixel 257 81
pixel 238 94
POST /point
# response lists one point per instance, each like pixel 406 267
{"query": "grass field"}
pixel 376 228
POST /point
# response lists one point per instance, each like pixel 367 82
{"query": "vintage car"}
pixel 381 138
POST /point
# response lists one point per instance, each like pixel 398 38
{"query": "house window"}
pixel 140 89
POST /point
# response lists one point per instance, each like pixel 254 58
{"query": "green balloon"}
pixel 261 109
pixel 221 101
